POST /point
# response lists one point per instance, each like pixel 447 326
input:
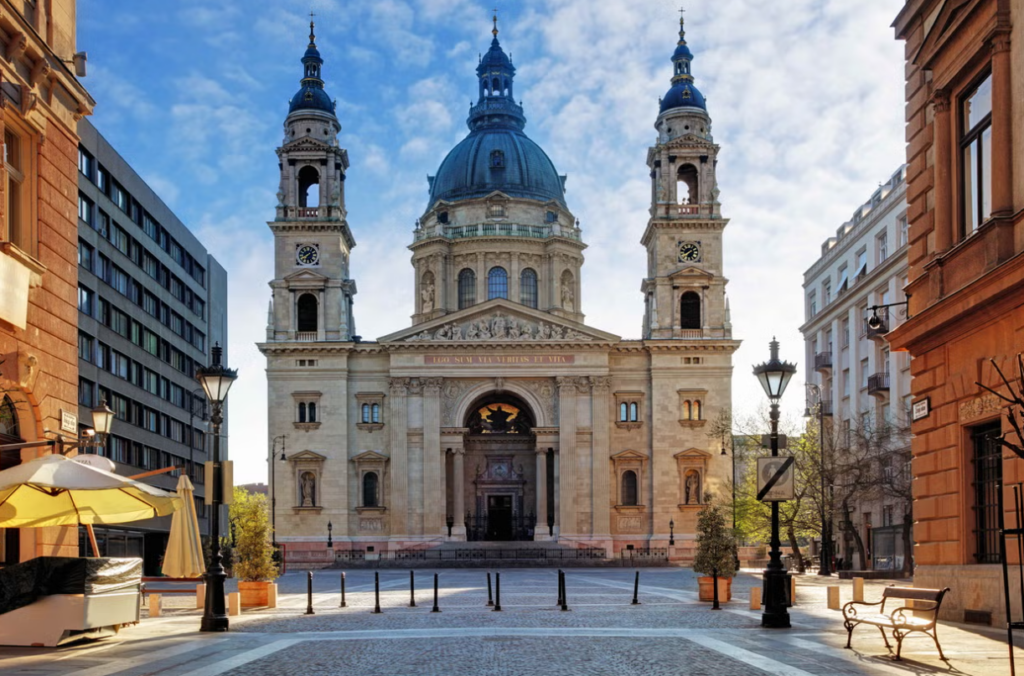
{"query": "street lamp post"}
pixel 774 376
pixel 824 567
pixel 330 543
pixel 216 381
pixel 192 434
pixel 671 533
pixel 273 486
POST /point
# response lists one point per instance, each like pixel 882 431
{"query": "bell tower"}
pixel 684 291
pixel 311 291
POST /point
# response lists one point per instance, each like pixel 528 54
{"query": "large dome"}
pixel 497 159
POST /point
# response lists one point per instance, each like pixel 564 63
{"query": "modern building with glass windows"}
pixel 152 301
pixel 864 389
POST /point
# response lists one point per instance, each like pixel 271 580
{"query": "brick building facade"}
pixel 41 102
pixel 966 281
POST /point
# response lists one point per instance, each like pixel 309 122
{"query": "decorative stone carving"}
pixel 568 297
pixel 544 390
pixel 307 485
pixel 371 525
pixel 432 386
pixel 500 327
pixel 427 294
pixel 630 524
pixel 399 386
pixel 980 406
pixel 692 488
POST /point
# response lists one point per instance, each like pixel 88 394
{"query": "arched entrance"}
pixel 500 469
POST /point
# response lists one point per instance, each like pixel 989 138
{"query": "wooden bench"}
pixel 905 619
pixel 147 590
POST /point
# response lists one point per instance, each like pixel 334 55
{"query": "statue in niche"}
pixel 499 419
pixel 427 296
pixel 476 426
pixel 308 486
pixel 692 489
pixel 568 297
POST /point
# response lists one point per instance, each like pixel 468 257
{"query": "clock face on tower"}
pixel 689 252
pixel 307 254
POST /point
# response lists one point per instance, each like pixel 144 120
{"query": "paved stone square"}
pixel 669 632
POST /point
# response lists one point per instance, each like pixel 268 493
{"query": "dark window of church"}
pixel 442 217
pixel 366 413
pixel 308 177
pixel 307 313
pixel 686 184
pixel 528 288
pixel 689 310
pixel 551 217
pixel 312 412
pixel 467 288
pixel 371 497
pixel 375 413
pixel 8 419
pixel 632 412
pixel 629 493
pixel 302 412
pixel 623 416
pixel 497 159
pixel 497 283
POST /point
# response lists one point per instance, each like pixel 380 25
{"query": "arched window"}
pixel 689 310
pixel 312 412
pixel 8 419
pixel 497 159
pixel 308 176
pixel 497 283
pixel 308 318
pixel 632 412
pixel 366 413
pixel 687 410
pixel 629 492
pixel 302 412
pixel 686 184
pixel 623 415
pixel 375 413
pixel 528 288
pixel 371 494
pixel 467 288
pixel 696 410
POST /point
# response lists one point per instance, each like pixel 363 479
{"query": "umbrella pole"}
pixel 92 540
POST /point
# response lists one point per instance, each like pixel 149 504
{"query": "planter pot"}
pixel 254 594
pixel 707 591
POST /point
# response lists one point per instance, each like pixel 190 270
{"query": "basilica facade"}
pixel 498 414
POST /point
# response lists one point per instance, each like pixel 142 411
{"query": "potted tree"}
pixel 253 553
pixel 714 558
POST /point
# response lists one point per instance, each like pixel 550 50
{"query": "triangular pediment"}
pixel 629 455
pixel 691 273
pixel 306 275
pixel 952 13
pixel 693 453
pixel 305 144
pixel 306 455
pixel 370 456
pixel 500 321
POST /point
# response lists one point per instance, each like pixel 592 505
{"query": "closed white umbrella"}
pixel 184 556
pixel 55 491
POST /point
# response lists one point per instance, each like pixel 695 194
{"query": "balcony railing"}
pixel 497 230
pixel 878 383
pixel 822 361
pixel 691 334
pixel 306 336
pixel 308 212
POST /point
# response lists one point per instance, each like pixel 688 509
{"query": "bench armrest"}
pixel 850 611
pixel 899 615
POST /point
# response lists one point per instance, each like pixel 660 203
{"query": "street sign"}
pixel 921 409
pixel 68 422
pixel 766 441
pixel 776 479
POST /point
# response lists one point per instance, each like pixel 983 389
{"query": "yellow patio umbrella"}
pixel 55 491
pixel 184 556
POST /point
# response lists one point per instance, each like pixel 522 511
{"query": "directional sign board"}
pixel 776 479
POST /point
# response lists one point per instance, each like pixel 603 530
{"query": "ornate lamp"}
pixel 102 418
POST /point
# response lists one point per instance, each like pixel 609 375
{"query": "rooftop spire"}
pixel 682 28
pixel 495 31
pixel 312 36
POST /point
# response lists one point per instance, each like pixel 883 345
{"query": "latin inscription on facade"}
pixel 504 360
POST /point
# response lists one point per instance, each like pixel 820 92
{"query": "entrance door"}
pixel 499 517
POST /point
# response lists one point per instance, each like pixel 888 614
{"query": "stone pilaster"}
pixel 433 459
pixel 398 408
pixel 567 454
pixel 541 529
pixel 943 223
pixel 601 391
pixel 459 487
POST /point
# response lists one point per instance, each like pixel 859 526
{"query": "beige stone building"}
pixel 498 409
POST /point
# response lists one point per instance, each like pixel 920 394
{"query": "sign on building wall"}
pixel 776 479
pixel 921 409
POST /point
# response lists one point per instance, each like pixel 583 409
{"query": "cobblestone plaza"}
pixel 670 632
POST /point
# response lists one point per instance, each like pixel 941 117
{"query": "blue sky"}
pixel 806 98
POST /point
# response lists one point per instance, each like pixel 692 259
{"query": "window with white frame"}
pixel 883 246
pixel 902 228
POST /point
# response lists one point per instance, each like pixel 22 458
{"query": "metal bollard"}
pixel 497 591
pixel 435 609
pixel 490 599
pixel 376 592
pixel 636 589
pixel 565 601
pixel 412 589
pixel 343 604
pixel 559 601
pixel 309 593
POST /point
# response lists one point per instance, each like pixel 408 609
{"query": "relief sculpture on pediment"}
pixel 499 327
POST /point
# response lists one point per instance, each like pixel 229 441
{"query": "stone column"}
pixel 513 278
pixel 942 214
pixel 1002 127
pixel 459 489
pixel 433 459
pixel 398 409
pixel 556 479
pixel 481 278
pixel 567 452
pixel 541 530
pixel 600 457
